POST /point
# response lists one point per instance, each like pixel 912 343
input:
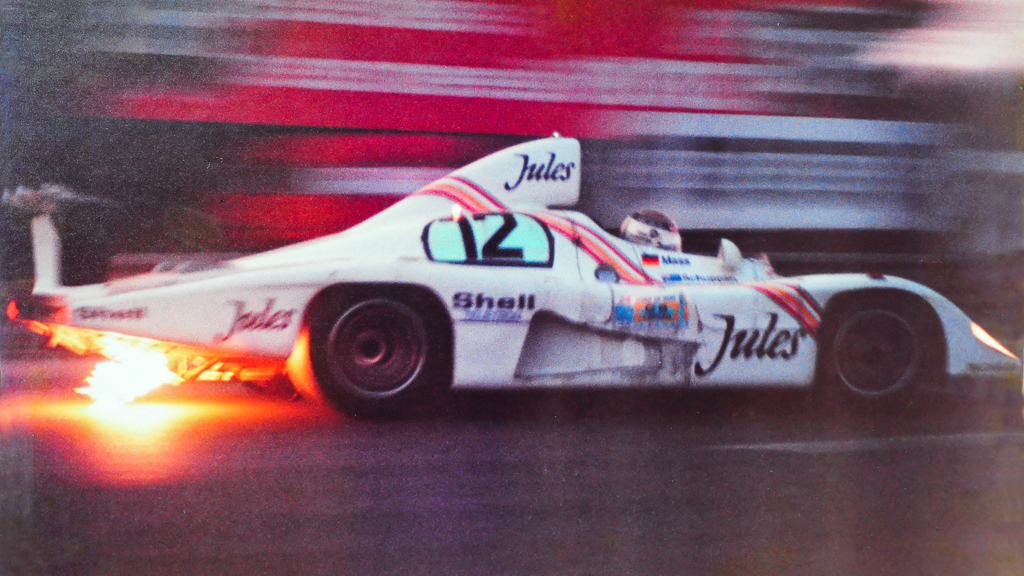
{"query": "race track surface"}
pixel 216 480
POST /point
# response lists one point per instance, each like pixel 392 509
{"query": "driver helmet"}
pixel 652 228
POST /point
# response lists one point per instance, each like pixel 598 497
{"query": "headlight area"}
pixel 987 339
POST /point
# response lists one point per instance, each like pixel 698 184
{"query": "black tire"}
pixel 879 349
pixel 376 356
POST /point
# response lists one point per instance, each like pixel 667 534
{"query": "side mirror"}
pixel 606 273
pixel 729 255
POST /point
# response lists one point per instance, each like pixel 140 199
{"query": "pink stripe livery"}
pixel 796 302
pixel 476 201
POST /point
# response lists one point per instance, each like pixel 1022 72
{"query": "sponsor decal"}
pixel 251 321
pixel 493 316
pixel 746 344
pixel 540 171
pixel 656 312
pixel 674 260
pixel 670 278
pixel 650 259
pixel 480 307
pixel 100 313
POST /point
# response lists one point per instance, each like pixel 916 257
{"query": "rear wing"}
pixel 533 175
pixel 46 254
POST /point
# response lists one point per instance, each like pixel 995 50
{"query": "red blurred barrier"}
pixel 371 150
pixel 253 222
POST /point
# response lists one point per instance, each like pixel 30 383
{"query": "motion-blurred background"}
pixel 832 134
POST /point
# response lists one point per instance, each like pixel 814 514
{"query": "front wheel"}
pixel 876 353
pixel 375 357
pixel 878 349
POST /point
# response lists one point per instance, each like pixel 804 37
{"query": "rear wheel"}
pixel 375 356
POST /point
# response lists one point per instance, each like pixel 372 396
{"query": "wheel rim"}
pixel 876 353
pixel 377 348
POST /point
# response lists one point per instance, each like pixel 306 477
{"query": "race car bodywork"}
pixel 477 281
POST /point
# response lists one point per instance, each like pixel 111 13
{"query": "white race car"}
pixel 477 282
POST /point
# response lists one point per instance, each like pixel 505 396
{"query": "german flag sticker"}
pixel 650 259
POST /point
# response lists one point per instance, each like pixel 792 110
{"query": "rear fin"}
pixel 46 253
pixel 539 174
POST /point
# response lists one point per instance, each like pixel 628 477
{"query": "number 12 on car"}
pixel 503 239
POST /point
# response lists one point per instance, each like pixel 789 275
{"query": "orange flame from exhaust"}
pixel 131 372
